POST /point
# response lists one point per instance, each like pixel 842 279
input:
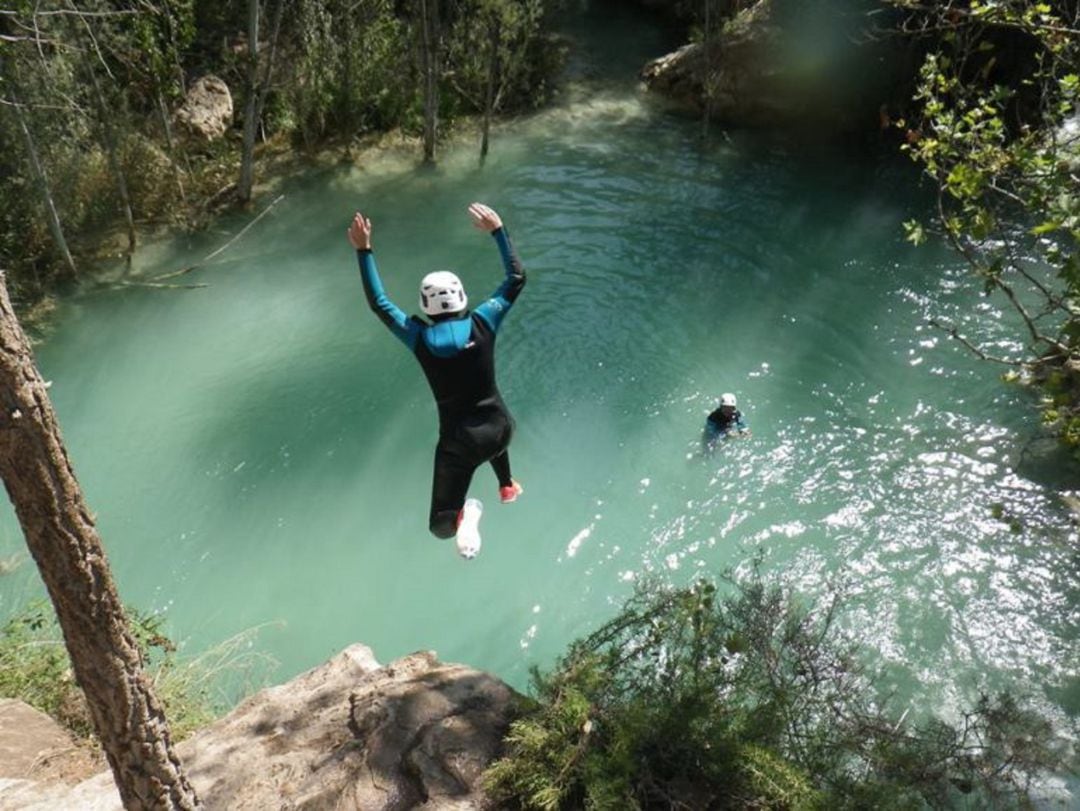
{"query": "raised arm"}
pixel 403 327
pixel 494 309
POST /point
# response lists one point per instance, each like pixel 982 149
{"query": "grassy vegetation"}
pixel 34 667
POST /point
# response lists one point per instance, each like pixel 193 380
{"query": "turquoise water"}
pixel 258 452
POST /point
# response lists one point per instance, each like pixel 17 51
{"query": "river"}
pixel 259 452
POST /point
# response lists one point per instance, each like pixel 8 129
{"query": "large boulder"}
pixel 787 64
pixel 347 735
pixel 207 111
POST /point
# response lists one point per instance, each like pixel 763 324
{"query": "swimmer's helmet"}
pixel 727 399
pixel 441 292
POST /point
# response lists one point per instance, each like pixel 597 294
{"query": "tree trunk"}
pixel 60 534
pixel 429 46
pixel 707 79
pixel 251 123
pixel 55 228
pixel 257 88
pixel 166 126
pixel 345 113
pixel 112 151
pixel 264 84
pixel 492 79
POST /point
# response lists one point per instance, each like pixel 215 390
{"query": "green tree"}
pixel 375 82
pixel 14 103
pixel 489 55
pixel 106 123
pixel 428 30
pixel 995 127
pixel 33 92
pixel 259 76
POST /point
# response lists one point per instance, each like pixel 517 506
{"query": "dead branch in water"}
pixel 220 250
pixel 156 285
pixel 954 333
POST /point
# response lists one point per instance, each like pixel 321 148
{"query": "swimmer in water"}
pixel 726 422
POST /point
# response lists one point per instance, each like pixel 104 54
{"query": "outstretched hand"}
pixel 484 217
pixel 360 232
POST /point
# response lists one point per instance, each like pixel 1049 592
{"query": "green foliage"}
pixel 353 73
pixel 989 127
pixel 35 668
pixel 342 68
pixel 502 47
pixel 754 700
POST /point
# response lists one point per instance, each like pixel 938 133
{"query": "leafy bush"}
pixel 689 700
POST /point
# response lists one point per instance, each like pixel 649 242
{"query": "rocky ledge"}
pixel 805 65
pixel 349 734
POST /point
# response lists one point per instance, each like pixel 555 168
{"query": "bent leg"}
pixel 449 486
pixel 501 465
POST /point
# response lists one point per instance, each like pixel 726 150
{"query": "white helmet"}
pixel 727 399
pixel 441 292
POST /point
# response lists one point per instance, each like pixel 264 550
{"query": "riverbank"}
pixel 158 120
pixel 106 266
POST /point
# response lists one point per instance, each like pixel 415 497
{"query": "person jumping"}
pixel 456 350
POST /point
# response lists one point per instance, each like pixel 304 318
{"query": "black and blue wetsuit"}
pixel 718 424
pixel 457 354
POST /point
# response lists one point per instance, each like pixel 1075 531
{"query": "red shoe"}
pixel 510 492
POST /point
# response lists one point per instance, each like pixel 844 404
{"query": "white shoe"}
pixel 468 531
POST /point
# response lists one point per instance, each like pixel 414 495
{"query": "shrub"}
pixel 689 700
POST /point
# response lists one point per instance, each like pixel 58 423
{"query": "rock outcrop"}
pixel 786 64
pixel 26 737
pixel 207 111
pixel 347 735
pixel 36 751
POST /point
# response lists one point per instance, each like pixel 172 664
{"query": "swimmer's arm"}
pixel 403 328
pixel 510 289
pixel 494 309
pixel 742 429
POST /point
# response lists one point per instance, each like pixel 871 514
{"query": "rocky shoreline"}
pixel 347 734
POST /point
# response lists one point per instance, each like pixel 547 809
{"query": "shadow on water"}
pixel 1045 461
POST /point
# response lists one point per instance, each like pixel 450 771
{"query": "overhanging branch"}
pixel 975 350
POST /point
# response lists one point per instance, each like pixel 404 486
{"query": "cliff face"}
pixel 348 734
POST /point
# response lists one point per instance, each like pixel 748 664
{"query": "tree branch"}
pixel 94 43
pixel 965 251
pixel 969 17
pixel 9 38
pixel 72 13
pixel 224 247
pixel 975 350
